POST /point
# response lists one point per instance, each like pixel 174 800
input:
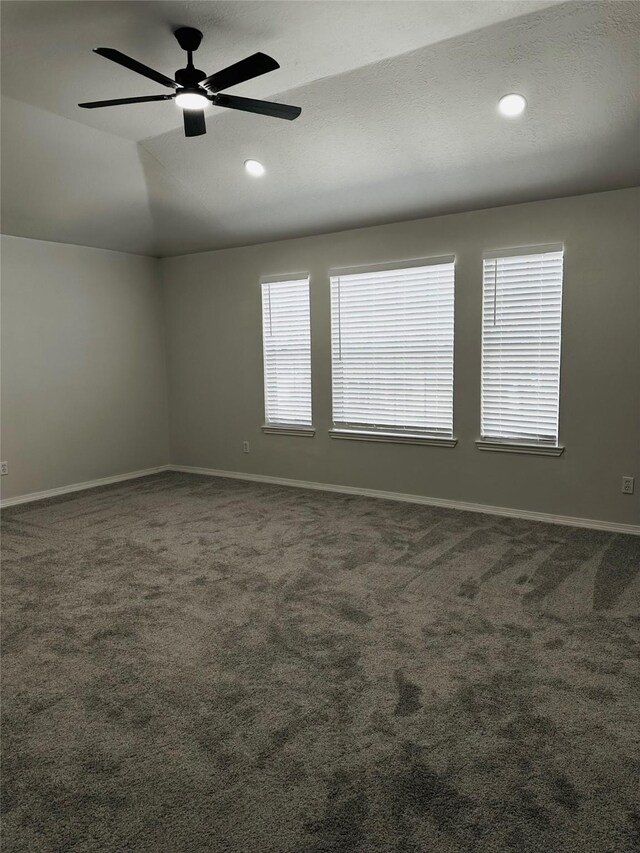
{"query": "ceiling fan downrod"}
pixel 189 40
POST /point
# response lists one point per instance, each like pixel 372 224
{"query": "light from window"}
pixel 392 348
pixel 521 316
pixel 286 338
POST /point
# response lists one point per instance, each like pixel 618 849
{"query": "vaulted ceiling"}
pixel 399 116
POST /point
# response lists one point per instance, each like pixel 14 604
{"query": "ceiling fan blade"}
pixel 194 123
pixel 246 69
pixel 92 105
pixel 134 65
pixel 265 108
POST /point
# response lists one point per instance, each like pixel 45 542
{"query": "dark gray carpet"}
pixel 196 664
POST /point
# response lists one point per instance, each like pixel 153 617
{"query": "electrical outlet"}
pixel 4 468
pixel 245 446
pixel 627 485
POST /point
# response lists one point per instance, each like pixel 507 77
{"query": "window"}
pixel 286 338
pixel 521 313
pixel 392 349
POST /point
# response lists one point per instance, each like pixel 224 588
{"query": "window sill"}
pixel 519 447
pixel 392 437
pixel 275 429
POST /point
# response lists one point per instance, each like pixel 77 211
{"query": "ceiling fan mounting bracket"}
pixel 188 38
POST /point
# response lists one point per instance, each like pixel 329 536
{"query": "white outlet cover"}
pixel 627 485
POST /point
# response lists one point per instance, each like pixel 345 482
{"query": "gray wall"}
pixel 83 365
pixel 212 305
pixel 84 381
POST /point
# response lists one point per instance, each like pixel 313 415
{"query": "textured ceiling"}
pixel 47 57
pixel 398 121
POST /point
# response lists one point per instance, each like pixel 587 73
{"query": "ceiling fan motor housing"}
pixel 189 77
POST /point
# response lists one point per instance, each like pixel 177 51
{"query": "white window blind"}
pixel 521 315
pixel 392 349
pixel 286 338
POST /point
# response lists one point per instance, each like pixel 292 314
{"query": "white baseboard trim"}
pixel 79 487
pixel 568 520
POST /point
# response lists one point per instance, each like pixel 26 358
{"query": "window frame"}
pixel 283 428
pixel 391 434
pixel 514 445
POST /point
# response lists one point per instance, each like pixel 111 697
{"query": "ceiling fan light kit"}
pixel 193 90
pixel 191 99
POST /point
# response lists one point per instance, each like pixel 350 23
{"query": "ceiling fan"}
pixel 194 90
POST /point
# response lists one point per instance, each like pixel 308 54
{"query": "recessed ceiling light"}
pixel 191 100
pixel 512 105
pixel 254 168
